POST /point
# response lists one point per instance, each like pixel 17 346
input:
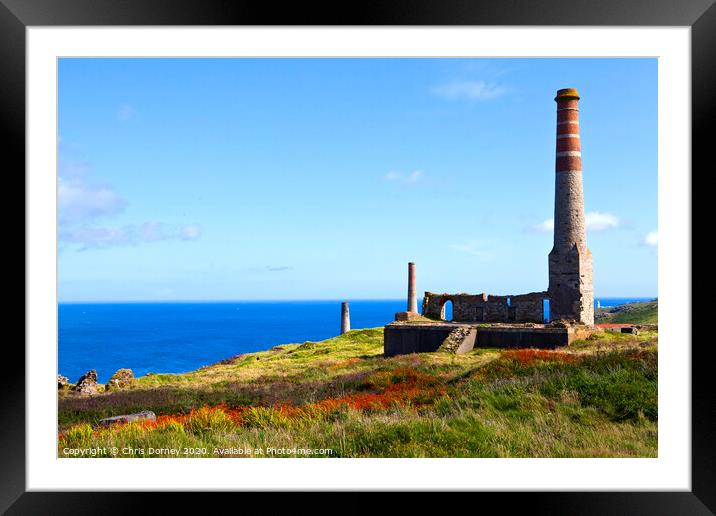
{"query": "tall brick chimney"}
pixel 571 293
pixel 412 299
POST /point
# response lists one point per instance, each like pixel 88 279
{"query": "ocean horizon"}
pixel 181 336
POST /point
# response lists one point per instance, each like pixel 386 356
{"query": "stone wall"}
pixel 529 307
pixel 486 308
pixel 402 339
pixel 414 338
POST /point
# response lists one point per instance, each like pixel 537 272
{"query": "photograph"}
pixel 446 246
pixel 357 257
pixel 447 249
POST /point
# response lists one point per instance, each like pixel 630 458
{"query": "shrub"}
pixel 78 436
pixel 171 426
pixel 266 417
pixel 205 419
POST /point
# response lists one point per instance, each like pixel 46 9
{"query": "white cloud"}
pixel 406 179
pixel 594 220
pixel 94 237
pixel 597 221
pixel 87 237
pixel 544 227
pixel 469 90
pixel 78 201
pixel 81 205
pixel 652 239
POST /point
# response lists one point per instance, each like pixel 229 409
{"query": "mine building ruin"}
pixel 487 308
pixel 518 320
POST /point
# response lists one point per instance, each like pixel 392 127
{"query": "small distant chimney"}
pixel 412 299
pixel 345 318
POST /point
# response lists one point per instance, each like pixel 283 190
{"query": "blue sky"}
pixel 229 179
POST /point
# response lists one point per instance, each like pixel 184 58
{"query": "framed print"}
pixel 221 201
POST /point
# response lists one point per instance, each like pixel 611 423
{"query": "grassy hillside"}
pixel 598 398
pixel 635 313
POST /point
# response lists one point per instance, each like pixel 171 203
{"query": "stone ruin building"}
pixel 487 308
pixel 519 320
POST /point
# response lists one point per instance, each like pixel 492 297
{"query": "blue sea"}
pixel 180 337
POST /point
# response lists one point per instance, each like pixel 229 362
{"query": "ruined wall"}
pixel 486 308
pixel 402 339
pixel 529 307
pixel 413 338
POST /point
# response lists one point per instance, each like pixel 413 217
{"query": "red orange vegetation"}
pixel 399 386
pixel 530 356
pixel 403 386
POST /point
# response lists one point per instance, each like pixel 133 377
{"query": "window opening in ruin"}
pixel 447 310
pixel 508 302
pixel 546 310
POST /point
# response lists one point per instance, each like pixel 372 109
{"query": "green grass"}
pixel 634 313
pixel 598 398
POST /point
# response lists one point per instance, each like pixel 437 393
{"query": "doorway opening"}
pixel 447 310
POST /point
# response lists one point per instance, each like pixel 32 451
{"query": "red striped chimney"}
pixel 571 294
pixel 569 227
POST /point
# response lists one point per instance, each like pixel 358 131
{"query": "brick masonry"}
pixel 570 289
pixel 412 299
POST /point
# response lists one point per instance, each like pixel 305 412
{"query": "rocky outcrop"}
pixel 62 381
pixel 87 384
pixel 146 415
pixel 120 380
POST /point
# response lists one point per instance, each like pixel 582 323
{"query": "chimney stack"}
pixel 345 318
pixel 570 261
pixel 412 300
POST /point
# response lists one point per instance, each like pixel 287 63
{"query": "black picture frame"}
pixel 17 15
